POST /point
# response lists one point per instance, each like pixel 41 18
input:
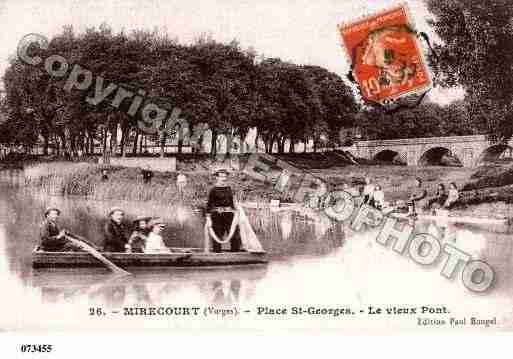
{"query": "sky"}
pixel 303 32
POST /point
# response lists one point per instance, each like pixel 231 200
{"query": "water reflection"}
pixel 214 286
pixel 308 265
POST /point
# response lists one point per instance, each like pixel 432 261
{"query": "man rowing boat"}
pixel 53 239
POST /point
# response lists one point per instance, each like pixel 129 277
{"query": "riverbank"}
pixel 481 187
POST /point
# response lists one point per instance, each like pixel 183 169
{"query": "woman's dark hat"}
pixel 141 218
pixel 51 208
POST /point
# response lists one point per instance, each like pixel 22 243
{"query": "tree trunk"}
pixel 57 145
pixel 200 144
pixel 104 141
pixel 163 138
pixel 291 146
pixel 315 145
pixel 136 142
pixel 281 145
pixel 91 142
pixel 306 143
pixel 113 141
pixel 46 139
pixel 213 143
pixel 255 149
pixel 180 138
pixel 125 133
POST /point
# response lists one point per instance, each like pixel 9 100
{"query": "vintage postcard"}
pixel 210 166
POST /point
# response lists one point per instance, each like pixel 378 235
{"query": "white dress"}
pixel 155 244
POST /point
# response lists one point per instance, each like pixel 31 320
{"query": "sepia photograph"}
pixel 332 165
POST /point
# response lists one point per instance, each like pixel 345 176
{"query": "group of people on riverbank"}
pixel 222 225
pixel 419 199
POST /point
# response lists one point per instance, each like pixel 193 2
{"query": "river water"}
pixel 313 264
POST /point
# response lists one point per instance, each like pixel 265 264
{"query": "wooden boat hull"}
pixel 178 258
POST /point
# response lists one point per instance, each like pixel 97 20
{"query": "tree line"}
pixel 229 89
pixel 233 90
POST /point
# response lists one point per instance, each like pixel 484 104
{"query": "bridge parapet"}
pixel 421 141
pixel 467 149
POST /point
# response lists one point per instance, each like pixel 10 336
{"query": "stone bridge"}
pixel 469 151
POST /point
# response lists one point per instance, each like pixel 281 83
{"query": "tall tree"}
pixel 477 52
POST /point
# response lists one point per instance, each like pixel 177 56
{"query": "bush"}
pixel 490 176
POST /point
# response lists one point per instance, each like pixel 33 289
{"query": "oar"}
pixel 86 247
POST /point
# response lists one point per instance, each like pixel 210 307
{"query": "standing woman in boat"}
pixel 115 238
pixel 222 215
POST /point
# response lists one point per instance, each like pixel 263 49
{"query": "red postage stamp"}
pixel 386 57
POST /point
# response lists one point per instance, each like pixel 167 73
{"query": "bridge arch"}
pixel 389 156
pixel 439 156
pixel 495 152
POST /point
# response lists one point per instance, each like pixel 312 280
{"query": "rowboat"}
pixel 178 257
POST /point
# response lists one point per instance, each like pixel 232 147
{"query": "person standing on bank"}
pixel 147 174
pixel 105 175
pixel 115 238
pixel 222 216
pixel 181 181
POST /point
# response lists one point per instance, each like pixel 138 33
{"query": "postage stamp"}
pixel 385 55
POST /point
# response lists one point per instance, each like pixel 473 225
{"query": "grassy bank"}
pixel 84 179
pixel 487 184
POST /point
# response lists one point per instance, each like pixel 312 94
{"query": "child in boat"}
pixel 137 240
pixel 453 196
pixel 154 241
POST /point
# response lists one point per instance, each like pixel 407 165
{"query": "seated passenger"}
pixel 439 199
pixel 154 241
pixel 53 239
pixel 115 238
pixel 378 197
pixel 453 196
pixel 137 240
